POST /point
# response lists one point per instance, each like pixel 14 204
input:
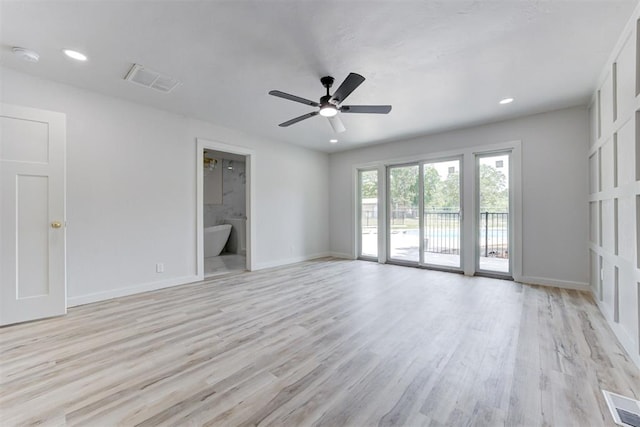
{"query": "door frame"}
pixel 250 156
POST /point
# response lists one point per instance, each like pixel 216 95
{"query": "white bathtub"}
pixel 215 238
pixel 237 238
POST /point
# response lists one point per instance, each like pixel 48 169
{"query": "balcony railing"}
pixel 442 233
pixel 494 234
pixel 442 230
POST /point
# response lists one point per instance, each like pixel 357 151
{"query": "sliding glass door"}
pixel 424 214
pixel 368 214
pixel 442 214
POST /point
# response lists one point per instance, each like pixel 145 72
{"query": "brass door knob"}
pixel 56 224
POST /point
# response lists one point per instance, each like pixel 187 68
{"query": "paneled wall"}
pixel 614 186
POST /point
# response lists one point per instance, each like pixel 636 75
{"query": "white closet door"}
pixel 32 214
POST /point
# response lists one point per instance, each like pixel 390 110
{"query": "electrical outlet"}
pixel 159 267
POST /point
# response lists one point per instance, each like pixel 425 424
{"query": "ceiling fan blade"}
pixel 336 124
pixel 298 119
pixel 349 84
pixel 370 109
pixel 293 98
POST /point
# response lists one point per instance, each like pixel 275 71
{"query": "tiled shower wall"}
pixel 233 205
pixel 614 186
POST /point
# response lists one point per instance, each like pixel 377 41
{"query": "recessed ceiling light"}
pixel 506 101
pixel 333 141
pixel 26 54
pixel 75 54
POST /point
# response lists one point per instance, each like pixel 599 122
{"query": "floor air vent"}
pixel 624 410
pixel 151 79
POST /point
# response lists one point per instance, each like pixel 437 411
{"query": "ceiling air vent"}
pixel 151 79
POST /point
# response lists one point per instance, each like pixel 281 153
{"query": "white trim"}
pixel 356 207
pixel 627 342
pixel 628 30
pixel 546 281
pixel 294 260
pixel 201 144
pixel 342 255
pixel 130 290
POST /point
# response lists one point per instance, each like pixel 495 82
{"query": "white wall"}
pixel 131 191
pixel 614 208
pixel 554 188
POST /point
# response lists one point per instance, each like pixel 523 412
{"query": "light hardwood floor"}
pixel 326 342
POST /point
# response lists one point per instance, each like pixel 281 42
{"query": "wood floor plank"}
pixel 327 343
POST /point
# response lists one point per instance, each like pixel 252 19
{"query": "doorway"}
pixel 223 209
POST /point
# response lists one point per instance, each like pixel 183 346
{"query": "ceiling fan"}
pixel 331 105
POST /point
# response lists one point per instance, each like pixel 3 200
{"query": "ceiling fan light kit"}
pixel 330 105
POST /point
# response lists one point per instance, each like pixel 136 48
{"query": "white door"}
pixel 32 214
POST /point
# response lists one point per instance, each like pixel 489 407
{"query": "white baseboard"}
pixel 625 340
pixel 280 263
pixel 342 255
pixel 131 290
pixel 545 281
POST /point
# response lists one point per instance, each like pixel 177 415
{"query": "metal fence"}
pixel 442 232
pixel 494 234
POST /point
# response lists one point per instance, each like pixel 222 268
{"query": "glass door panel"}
pixel 493 214
pixel 403 215
pixel 441 183
pixel 368 197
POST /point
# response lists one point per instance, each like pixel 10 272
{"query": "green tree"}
pixel 494 194
pixel 450 192
pixel 432 183
pixel 404 186
pixel 369 184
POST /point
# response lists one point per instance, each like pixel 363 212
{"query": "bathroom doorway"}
pixel 224 203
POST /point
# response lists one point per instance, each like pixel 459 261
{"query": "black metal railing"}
pixel 442 232
pixel 494 234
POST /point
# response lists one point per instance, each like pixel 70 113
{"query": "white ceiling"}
pixel 442 65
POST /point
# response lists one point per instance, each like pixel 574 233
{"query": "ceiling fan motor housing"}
pixel 327 82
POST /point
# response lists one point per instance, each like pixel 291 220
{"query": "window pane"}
pixel 442 213
pixel 404 238
pixel 369 213
pixel 493 232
